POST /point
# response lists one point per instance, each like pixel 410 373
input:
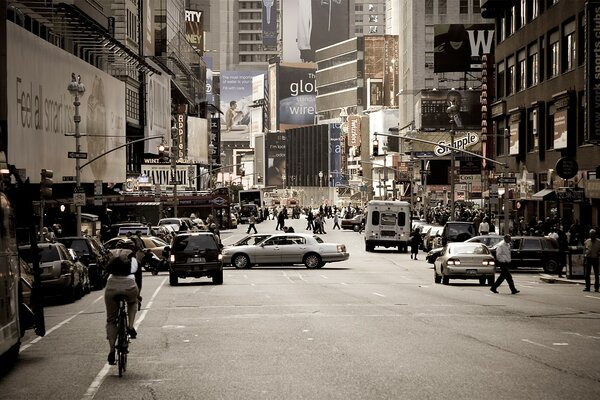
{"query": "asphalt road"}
pixel 373 327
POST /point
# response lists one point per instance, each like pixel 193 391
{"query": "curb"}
pixel 554 279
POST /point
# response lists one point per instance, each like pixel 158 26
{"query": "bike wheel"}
pixel 122 341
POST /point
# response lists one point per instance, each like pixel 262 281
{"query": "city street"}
pixel 373 327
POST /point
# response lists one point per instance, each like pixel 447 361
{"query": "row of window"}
pixel 559 51
pixel 442 7
pixel 520 15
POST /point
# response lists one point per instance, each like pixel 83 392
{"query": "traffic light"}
pixel 163 153
pixel 46 183
pixel 360 172
pixel 375 147
pixel 242 172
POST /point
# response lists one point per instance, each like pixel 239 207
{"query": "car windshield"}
pixel 48 254
pixel 472 248
pixel 194 243
pixel 79 245
pixel 170 221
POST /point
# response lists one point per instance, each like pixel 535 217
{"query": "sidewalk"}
pixel 555 279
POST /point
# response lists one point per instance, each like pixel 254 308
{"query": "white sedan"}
pixel 286 249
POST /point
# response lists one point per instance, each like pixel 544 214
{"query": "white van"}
pixel 387 224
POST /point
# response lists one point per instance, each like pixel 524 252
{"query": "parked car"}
pixel 353 223
pixel 86 287
pixel 286 249
pixel 115 229
pixel 195 254
pixel 176 223
pixel 59 274
pixel 92 255
pixel 535 252
pixel 465 261
pixel 432 233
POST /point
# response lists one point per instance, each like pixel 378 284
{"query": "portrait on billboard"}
pixel 276 171
pixel 458 47
pixel 434 109
pixel 236 100
pixel 309 25
pixel 275 168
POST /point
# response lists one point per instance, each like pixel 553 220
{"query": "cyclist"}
pixel 125 279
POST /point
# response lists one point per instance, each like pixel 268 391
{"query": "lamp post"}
pixel 385 171
pixel 506 203
pixel 77 89
pixel 211 149
pixel 321 185
pixel 452 111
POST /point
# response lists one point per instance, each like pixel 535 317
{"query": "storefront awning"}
pixel 545 195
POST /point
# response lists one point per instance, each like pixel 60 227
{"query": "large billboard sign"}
pixel 336 149
pixel 592 63
pixel 158 110
pixel 308 25
pixel 458 47
pixel 269 23
pixel 194 29
pixel 297 96
pixel 41 111
pixel 236 100
pixel 434 105
pixel 275 157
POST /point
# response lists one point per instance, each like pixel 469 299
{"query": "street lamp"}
pixel 321 184
pixel 211 149
pixel 452 112
pixel 77 89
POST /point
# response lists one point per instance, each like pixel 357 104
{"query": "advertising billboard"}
pixel 297 96
pixel 458 47
pixel 158 110
pixel 236 100
pixel 381 70
pixel 197 149
pixel 194 29
pixel 42 111
pixel 308 25
pixel 335 155
pixel 275 172
pixel 434 105
pixel 269 23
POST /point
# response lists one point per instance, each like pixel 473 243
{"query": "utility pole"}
pixel 505 174
pixel 77 89
pixel 452 111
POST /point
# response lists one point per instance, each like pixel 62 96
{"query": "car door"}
pixel 531 252
pixel 515 253
pixel 269 252
pixel 294 249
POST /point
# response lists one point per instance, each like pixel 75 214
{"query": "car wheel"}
pixel 551 267
pixel 241 261
pixel 218 278
pixel 482 281
pixel 436 278
pixel 173 279
pixel 445 279
pixel 356 228
pixel 312 260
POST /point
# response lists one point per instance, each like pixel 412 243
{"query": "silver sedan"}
pixel 464 261
pixel 286 249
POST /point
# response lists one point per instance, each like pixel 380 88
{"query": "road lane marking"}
pixel 378 294
pixel 583 336
pixel 593 297
pixel 538 344
pixel 560 344
pixel 97 382
pixel 324 277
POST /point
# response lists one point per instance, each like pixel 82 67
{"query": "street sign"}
pixel 68 179
pixel 79 189
pixel 79 199
pixel 77 154
pixel 511 180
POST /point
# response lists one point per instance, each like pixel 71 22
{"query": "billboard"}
pixel 158 110
pixel 197 139
pixel 42 111
pixel 275 172
pixel 434 105
pixel 381 70
pixel 236 100
pixel 458 47
pixel 308 25
pixel 194 29
pixel 269 23
pixel 297 96
pixel 335 155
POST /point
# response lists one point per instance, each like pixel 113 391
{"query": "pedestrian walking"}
pixel 336 221
pixel 252 223
pixel 591 253
pixel 309 219
pixel 503 259
pixel 484 227
pixel 280 221
pixel 415 242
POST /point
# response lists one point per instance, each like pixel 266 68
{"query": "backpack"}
pixel 120 265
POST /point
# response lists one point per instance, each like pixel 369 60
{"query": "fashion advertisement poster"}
pixel 308 25
pixel 276 159
pixel 236 100
pixel 434 109
pixel 458 47
pixel 297 96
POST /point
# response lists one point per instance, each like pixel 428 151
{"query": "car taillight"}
pixel 172 258
pixel 341 248
pixel 488 262
pixel 453 262
pixel 220 257
pixel 65 268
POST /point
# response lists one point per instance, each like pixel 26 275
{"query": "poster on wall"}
pixel 434 106
pixel 560 129
pixel 42 113
pixel 308 25
pixel 335 155
pixel 269 23
pixel 459 47
pixel 513 148
pixel 297 96
pixel 158 114
pixel 275 157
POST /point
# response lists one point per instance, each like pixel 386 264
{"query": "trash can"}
pixel 575 262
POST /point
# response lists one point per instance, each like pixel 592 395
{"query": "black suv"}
pixel 92 255
pixel 195 254
pixel 457 231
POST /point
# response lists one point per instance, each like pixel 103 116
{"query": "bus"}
pixel 387 224
pixel 16 312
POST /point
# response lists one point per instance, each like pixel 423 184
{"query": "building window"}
pixel 524 11
pixel 443 7
pixel 500 81
pixel 510 76
pixel 476 7
pixel 550 127
pixel 372 29
pixel 553 56
pixel 532 130
pixel 534 9
pixel 463 7
pixel 570 46
pixel 522 70
pixel 358 18
pixel 533 66
pixel 358 30
pixel 429 7
pixel 373 18
pixel 371 7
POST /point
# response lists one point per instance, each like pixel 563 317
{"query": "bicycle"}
pixel 122 346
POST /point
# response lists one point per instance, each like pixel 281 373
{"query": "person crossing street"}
pixel 503 259
pixel 252 223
